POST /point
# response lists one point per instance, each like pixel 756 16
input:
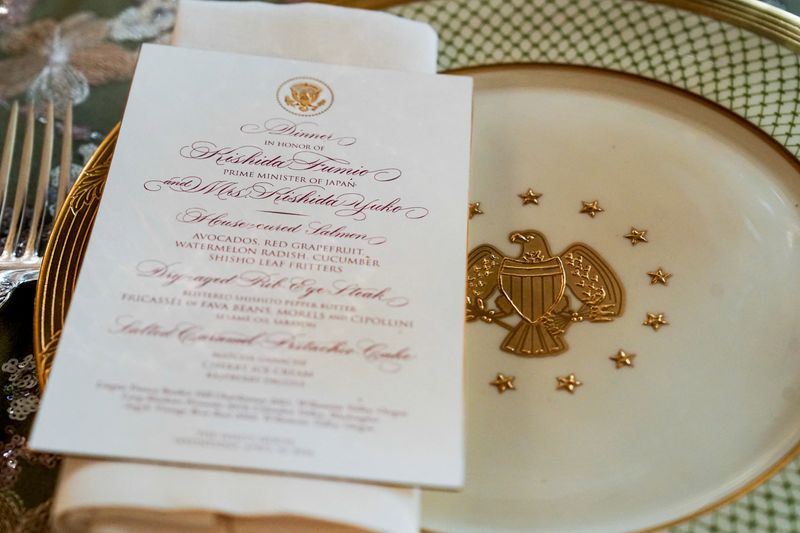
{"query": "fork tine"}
pixel 8 152
pixel 66 159
pixel 32 246
pixel 22 183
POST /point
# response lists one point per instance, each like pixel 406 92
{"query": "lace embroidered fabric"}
pixel 15 517
pixel 61 60
pixel 22 390
pixel 13 12
pixel 23 471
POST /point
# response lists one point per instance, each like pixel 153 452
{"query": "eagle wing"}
pixel 594 283
pixel 483 266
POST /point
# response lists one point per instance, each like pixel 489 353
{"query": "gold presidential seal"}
pixel 305 96
pixel 532 287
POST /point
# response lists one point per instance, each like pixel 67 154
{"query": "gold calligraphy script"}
pixel 304 97
pixel 533 287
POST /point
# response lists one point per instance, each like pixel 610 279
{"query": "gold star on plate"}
pixel 622 358
pixel 591 208
pixel 636 236
pixel 568 383
pixel 530 197
pixel 659 276
pixel 655 321
pixel 503 383
pixel 475 209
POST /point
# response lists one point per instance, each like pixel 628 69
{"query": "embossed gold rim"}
pixel 752 15
pixel 741 121
pixel 64 254
pixel 754 484
pixel 72 227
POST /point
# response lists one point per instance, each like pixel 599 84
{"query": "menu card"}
pixel 274 280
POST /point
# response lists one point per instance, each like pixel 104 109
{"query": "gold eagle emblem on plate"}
pixel 534 287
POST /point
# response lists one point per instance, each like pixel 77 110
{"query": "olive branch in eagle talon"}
pixel 533 287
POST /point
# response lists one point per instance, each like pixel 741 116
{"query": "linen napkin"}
pixel 310 32
pixel 127 497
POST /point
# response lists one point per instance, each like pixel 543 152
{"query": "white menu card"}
pixel 276 274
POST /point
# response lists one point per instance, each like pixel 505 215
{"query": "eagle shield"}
pixel 533 289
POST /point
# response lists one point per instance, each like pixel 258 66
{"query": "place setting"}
pixel 515 266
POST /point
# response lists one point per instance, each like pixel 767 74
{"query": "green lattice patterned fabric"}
pixel 744 72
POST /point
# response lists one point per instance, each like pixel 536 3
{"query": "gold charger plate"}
pixel 747 74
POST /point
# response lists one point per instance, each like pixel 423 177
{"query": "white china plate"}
pixel 711 401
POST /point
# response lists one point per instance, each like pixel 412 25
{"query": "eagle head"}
pixel 532 242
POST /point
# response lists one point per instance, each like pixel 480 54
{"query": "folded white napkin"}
pixel 116 497
pixel 311 32
pixel 126 497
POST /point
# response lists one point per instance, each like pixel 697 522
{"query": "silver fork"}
pixel 19 264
